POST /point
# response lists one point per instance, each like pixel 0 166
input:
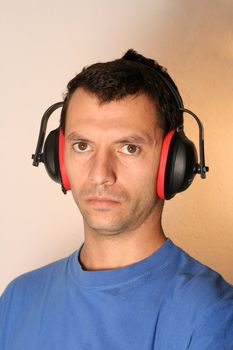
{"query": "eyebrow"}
pixel 135 138
pixel 74 136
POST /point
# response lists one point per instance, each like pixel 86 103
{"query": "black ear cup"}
pixel 51 155
pixel 180 166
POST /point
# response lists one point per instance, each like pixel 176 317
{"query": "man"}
pixel 128 286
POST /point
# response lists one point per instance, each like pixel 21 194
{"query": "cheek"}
pixel 147 178
pixel 66 158
pixel 149 169
pixel 72 168
pixel 141 181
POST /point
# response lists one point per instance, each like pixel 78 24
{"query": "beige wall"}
pixel 43 44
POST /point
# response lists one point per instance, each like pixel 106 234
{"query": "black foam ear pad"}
pixel 180 166
pixel 51 155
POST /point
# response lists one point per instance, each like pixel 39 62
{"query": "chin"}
pixel 106 227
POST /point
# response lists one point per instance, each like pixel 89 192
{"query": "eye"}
pixel 81 147
pixel 130 149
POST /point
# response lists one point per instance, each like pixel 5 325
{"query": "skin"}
pixel 112 154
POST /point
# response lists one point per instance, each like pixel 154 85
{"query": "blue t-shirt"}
pixel 168 301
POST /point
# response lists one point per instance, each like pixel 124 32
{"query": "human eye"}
pixel 81 147
pixel 130 149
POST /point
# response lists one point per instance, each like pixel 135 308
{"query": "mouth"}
pixel 102 202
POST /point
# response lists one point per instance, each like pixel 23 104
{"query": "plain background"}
pixel 43 45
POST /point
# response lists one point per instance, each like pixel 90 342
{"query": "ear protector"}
pixel 178 158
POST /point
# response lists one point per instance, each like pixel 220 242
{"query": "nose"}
pixel 102 169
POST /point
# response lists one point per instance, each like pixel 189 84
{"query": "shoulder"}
pixel 198 303
pixel 30 284
pixel 207 303
pixel 200 282
pixel 197 291
pixel 197 283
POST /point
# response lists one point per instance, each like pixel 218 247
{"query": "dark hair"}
pixel 130 75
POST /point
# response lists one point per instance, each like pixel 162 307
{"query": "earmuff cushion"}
pixel 64 177
pixel 160 186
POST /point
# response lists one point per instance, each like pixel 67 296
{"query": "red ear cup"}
pixel 162 164
pixel 64 177
pixel 177 167
pixel 53 158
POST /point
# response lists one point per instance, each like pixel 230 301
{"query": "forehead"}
pixel 85 111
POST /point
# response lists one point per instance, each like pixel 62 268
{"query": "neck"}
pixel 105 252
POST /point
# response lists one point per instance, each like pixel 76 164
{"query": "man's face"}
pixel 111 156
